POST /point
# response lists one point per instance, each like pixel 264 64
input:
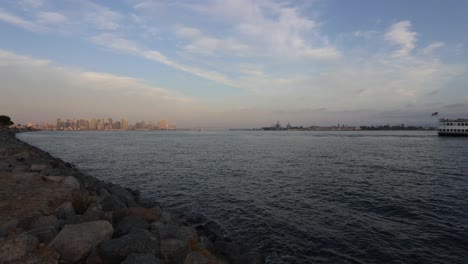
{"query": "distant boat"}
pixel 276 127
pixel 453 127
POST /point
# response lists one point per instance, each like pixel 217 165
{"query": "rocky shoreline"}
pixel 50 212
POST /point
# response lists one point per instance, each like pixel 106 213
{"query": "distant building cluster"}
pixel 101 124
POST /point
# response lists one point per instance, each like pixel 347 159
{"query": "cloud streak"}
pixel 401 35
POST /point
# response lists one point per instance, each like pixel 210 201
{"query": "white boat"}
pixel 453 127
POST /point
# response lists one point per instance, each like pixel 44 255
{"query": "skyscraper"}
pixel 162 124
pixel 59 124
pixel 124 123
pixel 92 124
pixel 110 123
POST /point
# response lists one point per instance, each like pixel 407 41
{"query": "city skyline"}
pixel 99 124
pixel 235 63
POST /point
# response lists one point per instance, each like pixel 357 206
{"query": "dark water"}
pixel 299 197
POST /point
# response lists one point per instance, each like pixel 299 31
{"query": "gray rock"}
pixel 94 213
pixel 44 220
pixel 111 203
pixel 103 193
pixel 128 223
pixel 213 229
pixel 165 231
pixel 71 182
pixel 75 242
pixel 65 210
pixel 17 247
pixel 174 250
pixel 141 259
pixel 44 234
pixel 124 195
pixel 37 167
pixel 137 241
pixel 25 222
pixel 195 258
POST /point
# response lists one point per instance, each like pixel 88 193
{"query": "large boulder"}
pixel 65 210
pixel 71 182
pixel 124 195
pixel 17 247
pixel 136 241
pixel 165 231
pixel 173 251
pixel 111 203
pixel 44 234
pixel 213 230
pixel 74 242
pixel 141 259
pixel 128 223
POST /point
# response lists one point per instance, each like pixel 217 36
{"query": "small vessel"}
pixel 453 127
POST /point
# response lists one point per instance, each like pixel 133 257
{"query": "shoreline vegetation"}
pixel 50 212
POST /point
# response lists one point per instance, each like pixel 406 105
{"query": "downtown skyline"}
pixel 83 124
pixel 235 63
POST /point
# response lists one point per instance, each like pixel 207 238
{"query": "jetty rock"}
pixel 75 242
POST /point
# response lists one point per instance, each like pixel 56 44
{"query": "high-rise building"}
pixel 100 124
pixel 124 123
pixel 162 124
pixel 59 124
pixel 116 125
pixel 109 123
pixel 92 124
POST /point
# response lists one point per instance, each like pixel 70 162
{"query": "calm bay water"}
pixel 299 197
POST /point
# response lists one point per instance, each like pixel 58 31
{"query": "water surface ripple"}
pixel 299 197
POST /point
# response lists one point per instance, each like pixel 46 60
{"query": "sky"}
pixel 234 63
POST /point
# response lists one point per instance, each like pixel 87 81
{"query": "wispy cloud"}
pixel 121 44
pixel 274 27
pixel 206 45
pixel 18 21
pixel 50 18
pixel 400 34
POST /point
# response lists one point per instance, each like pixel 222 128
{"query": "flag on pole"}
pixel 435 113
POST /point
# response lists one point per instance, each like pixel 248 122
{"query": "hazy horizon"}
pixel 234 63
